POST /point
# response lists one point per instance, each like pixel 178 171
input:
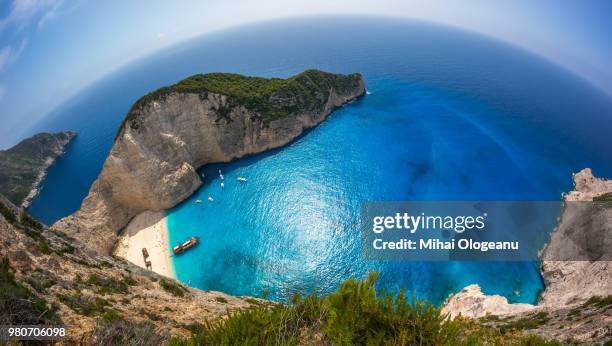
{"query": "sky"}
pixel 52 49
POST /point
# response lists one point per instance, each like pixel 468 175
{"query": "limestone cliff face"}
pixel 152 164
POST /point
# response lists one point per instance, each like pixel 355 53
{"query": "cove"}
pixel 450 115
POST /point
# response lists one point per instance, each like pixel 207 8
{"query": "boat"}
pixel 222 185
pixel 243 179
pixel 186 245
pixel 198 201
pixel 211 199
pixel 221 176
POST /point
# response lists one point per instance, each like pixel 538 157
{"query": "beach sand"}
pixel 147 230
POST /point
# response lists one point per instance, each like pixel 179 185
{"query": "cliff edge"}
pixel 203 119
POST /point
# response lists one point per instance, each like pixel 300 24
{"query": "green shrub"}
pixel 85 306
pixel 606 197
pixel 41 284
pixel 107 284
pixel 17 304
pixel 66 248
pixel 43 246
pixel 28 221
pixel 111 315
pixel 7 212
pixel 531 322
pixel 172 287
pixel 599 302
pixel 123 332
pixel 354 315
pixel 128 280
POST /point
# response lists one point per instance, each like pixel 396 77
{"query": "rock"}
pixel 569 283
pixel 61 276
pixel 471 302
pixel 576 262
pixel 170 133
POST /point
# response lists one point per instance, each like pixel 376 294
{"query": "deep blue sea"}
pixel 450 115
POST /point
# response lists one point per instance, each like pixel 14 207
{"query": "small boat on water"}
pixel 198 201
pixel 243 179
pixel 211 199
pixel 186 245
pixel 222 185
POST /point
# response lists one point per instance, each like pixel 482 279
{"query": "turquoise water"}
pixel 450 116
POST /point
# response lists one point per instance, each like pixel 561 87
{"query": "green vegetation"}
pixel 111 315
pixel 117 331
pixel 94 306
pixel 40 284
pixel 128 280
pixel 7 212
pixel 606 197
pixel 43 246
pixel 172 287
pixel 66 248
pixel 221 300
pixel 530 322
pixel 17 304
pixel 599 302
pixel 271 98
pixel 354 315
pixel 29 222
pixel 107 284
pixel 34 229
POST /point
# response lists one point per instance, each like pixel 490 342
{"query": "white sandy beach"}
pixel 147 230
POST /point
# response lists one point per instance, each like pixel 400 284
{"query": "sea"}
pixel 449 115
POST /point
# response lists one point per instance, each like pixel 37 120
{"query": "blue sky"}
pixel 51 49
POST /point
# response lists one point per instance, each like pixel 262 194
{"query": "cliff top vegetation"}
pixel 270 98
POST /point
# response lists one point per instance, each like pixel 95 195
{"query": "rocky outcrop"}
pixel 204 119
pixel 24 166
pixel 576 269
pixel 471 302
pixel 576 263
pixel 76 287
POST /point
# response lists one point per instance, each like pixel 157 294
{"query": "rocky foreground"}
pixel 49 278
pixel 204 119
pixel 577 271
pixel 24 166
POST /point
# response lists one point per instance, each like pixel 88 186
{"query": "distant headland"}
pixel 24 166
